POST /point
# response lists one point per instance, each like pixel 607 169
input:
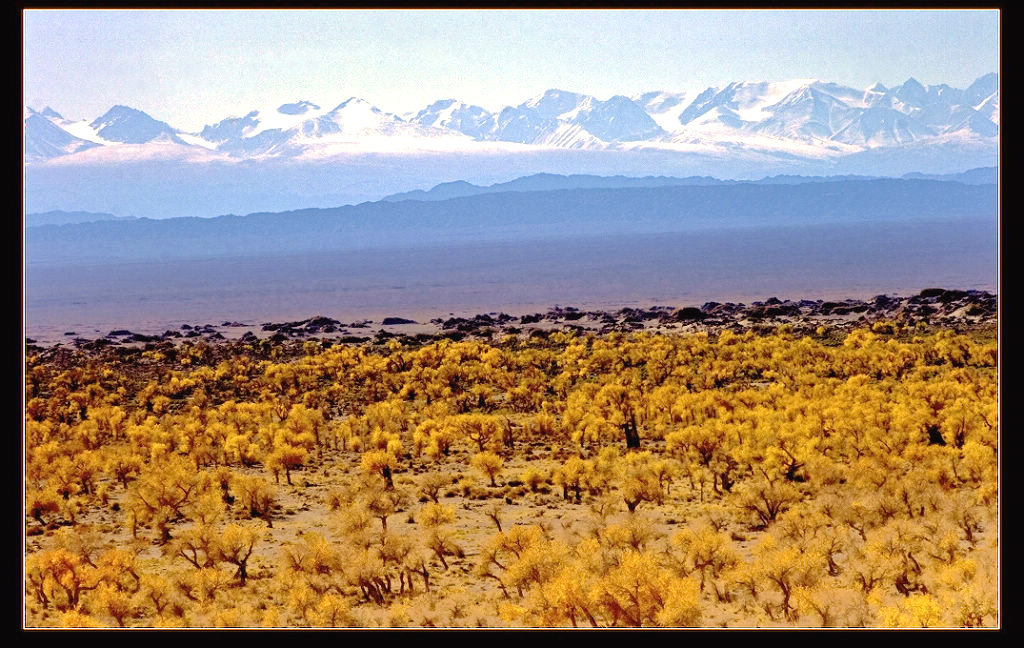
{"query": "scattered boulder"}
pixel 690 313
pixel 949 296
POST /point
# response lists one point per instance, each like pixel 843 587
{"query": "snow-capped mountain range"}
pixel 803 117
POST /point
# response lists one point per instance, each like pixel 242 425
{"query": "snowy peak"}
pixel 520 124
pixel 663 107
pixel 659 101
pixel 230 128
pixel 702 103
pixel 50 113
pixel 130 126
pixel 619 119
pixel 355 120
pixel 570 136
pixel 989 109
pixel 355 103
pixel 982 87
pixel 297 108
pixel 553 103
pixel 45 140
pixel 880 126
pixel 746 101
pixel 454 115
pixel 806 113
pixel 912 93
pixel 351 118
pixel 823 113
pixel 558 116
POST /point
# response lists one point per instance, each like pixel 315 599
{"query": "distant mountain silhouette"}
pixel 551 182
pixel 516 216
pixel 58 217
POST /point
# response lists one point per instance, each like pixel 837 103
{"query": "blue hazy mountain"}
pixel 566 214
pixel 548 182
pixel 552 181
pixel 58 217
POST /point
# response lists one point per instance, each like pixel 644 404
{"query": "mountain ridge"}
pixel 551 181
pixel 565 214
pixel 800 116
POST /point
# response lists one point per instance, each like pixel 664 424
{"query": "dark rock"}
pixel 765 311
pixel 394 321
pixel 885 302
pixel 319 321
pixel 931 292
pixel 948 296
pixel 70 333
pixel 690 313
pixel 119 333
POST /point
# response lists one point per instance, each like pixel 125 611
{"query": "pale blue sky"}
pixel 191 68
